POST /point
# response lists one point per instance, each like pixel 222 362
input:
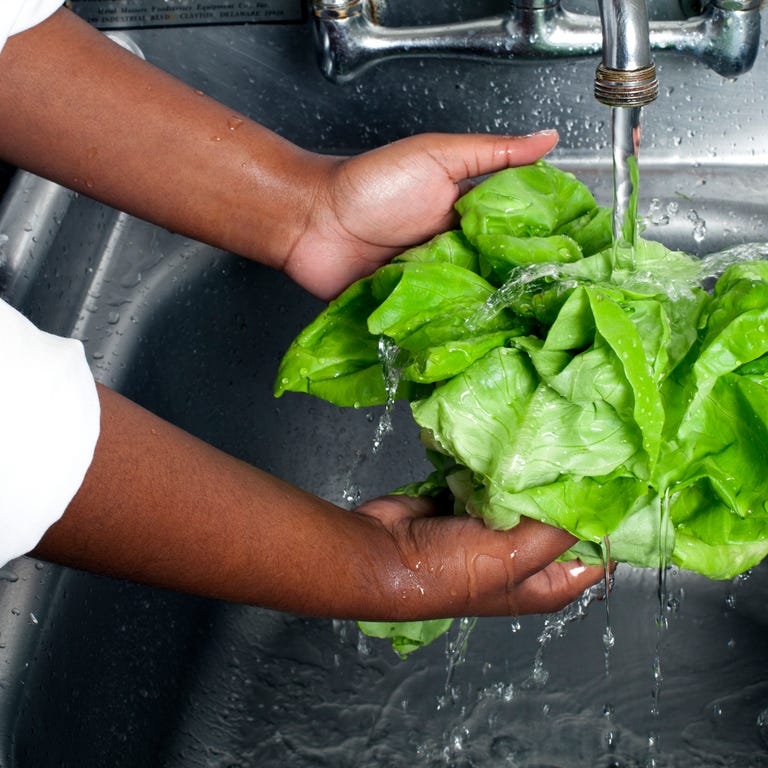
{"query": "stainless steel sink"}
pixel 100 672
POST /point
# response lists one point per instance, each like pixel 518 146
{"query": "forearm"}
pixel 148 144
pixel 161 507
pixel 79 109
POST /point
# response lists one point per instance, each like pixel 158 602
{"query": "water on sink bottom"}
pixel 690 693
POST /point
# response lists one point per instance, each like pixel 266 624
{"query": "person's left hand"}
pixel 370 207
pixel 450 565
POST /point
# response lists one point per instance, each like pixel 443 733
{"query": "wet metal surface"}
pixel 98 672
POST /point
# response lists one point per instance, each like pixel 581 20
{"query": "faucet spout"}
pixel 626 77
pixel 626 81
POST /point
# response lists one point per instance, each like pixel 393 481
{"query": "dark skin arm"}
pixel 80 110
pixel 161 507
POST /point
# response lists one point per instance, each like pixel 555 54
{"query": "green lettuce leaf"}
pixel 406 636
pixel 500 254
pixel 592 231
pixel 531 201
pixel 335 357
pixel 451 247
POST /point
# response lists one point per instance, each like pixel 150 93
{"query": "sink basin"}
pixel 95 671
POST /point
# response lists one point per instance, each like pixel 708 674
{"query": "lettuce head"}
pixel 612 397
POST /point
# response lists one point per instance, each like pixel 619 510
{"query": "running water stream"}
pixel 388 352
pixel 625 130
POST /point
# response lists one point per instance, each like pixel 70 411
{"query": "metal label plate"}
pixel 131 14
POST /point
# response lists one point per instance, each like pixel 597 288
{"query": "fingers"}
pixel 554 587
pixel 527 548
pixel 536 583
pixel 467 156
pixel 470 569
pixel 394 508
pixel 535 545
pixel 529 580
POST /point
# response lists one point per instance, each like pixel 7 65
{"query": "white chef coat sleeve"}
pixel 49 425
pixel 18 15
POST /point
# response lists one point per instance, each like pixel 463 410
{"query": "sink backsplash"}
pixel 270 73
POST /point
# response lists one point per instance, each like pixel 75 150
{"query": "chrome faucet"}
pixel 725 36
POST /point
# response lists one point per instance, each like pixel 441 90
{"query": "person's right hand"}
pixel 368 208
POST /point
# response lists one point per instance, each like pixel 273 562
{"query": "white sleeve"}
pixel 49 424
pixel 18 15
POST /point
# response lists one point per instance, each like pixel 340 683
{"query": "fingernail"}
pixel 542 132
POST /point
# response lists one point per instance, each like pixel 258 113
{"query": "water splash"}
pixel 661 625
pixel 351 492
pixel 625 129
pixel 388 352
pixel 455 652
pixel 699 226
pixel 659 215
pixel 714 264
pixel 522 282
pixel 388 355
pixel 556 626
pixel 625 134
pixel 609 639
pixel 762 726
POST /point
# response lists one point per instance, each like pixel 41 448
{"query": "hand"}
pixel 370 207
pixel 455 566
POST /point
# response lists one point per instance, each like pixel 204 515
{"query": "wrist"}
pixel 317 248
pixel 278 200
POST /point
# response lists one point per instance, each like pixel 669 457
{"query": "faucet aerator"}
pixel 626 88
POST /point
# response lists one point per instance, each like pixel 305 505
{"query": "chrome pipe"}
pixel 350 40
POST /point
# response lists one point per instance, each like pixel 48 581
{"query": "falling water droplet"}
pixel 699 226
pixel 762 726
